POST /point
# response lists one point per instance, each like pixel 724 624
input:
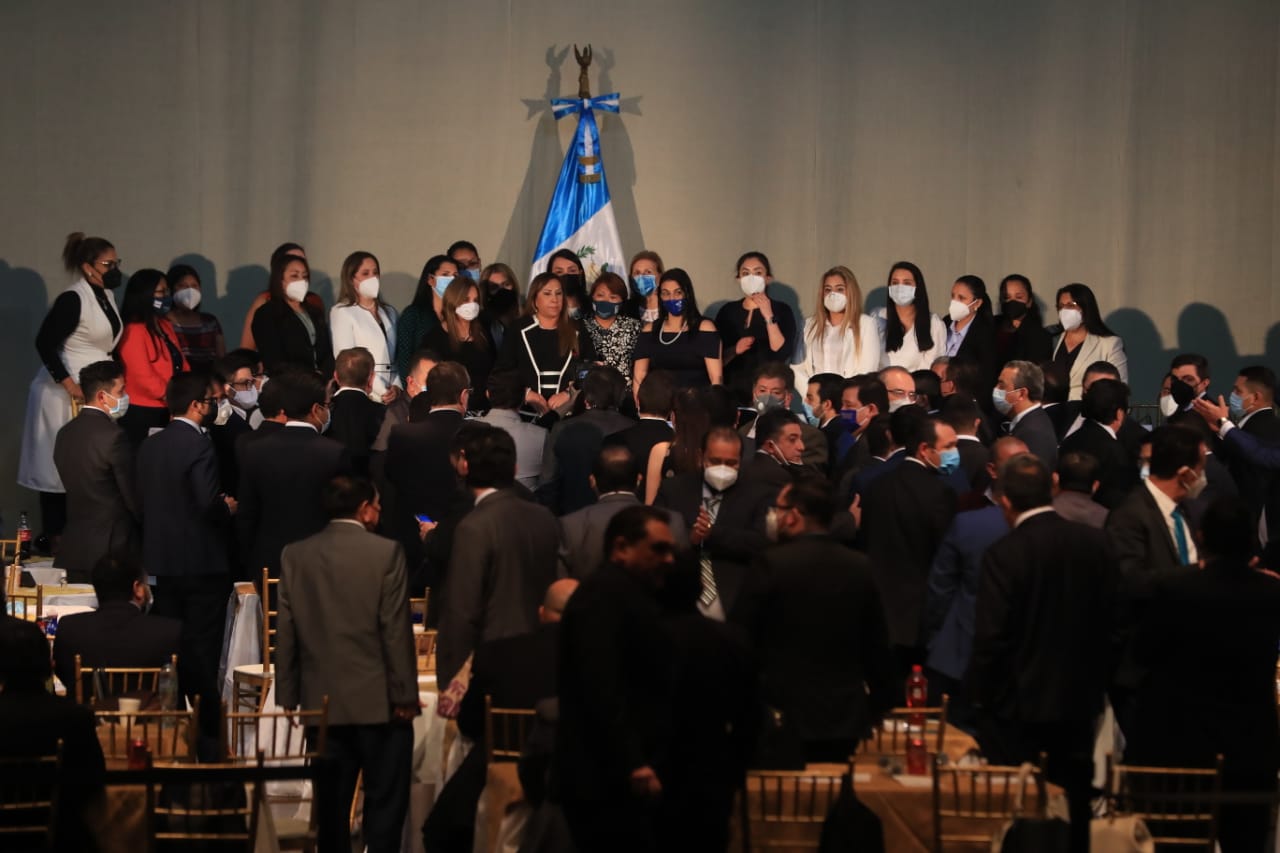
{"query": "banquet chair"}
pixel 890 737
pixel 251 683
pixel 505 731
pixel 785 809
pixel 425 644
pixel 107 681
pixel 989 793
pixel 29 800
pixel 1178 804
pixel 418 608
pixel 203 806
pixel 170 735
pixel 25 605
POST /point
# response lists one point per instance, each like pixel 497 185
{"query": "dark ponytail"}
pixel 81 250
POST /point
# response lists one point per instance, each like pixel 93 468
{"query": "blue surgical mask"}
pixel 606 309
pixel 121 406
pixel 849 417
pixel 808 414
pixel 442 284
pixel 163 305
pixel 644 284
pixel 473 274
pixel 1000 401
pixel 675 307
pixel 949 461
pixel 1235 404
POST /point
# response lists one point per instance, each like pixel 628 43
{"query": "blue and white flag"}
pixel 580 217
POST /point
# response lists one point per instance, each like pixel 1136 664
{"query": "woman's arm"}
pixel 715 367
pixel 653 471
pixel 248 340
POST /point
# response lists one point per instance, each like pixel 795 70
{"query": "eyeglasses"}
pixel 901 394
pixel 1064 306
pixel 208 401
pixel 111 265
pixel 243 384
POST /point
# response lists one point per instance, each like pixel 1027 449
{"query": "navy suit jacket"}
pixel 185 520
pixel 874 471
pixel 953 587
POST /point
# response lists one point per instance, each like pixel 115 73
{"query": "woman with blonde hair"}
pixel 464 337
pixel 362 319
pixel 839 338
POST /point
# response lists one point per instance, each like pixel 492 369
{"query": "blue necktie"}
pixel 1180 537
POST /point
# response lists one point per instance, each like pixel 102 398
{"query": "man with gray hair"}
pixel 1017 395
pixel 901 386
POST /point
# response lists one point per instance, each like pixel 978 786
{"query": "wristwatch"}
pixel 1221 422
pixel 772 321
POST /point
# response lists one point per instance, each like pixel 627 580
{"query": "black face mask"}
pixel 1181 392
pixel 112 278
pixel 501 301
pixel 1013 310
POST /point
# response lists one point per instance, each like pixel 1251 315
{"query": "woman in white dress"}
pixel 362 319
pixel 911 335
pixel 83 326
pixel 839 338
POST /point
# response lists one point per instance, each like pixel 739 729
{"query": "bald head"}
pixel 554 602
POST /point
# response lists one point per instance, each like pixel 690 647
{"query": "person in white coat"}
pixel 839 338
pixel 911 335
pixel 361 319
pixel 1085 339
pixel 83 326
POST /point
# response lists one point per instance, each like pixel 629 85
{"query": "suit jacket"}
pixel 116 634
pixel 419 476
pixel 1094 348
pixel 1037 432
pixel 1043 643
pixel 516 671
pixel 226 439
pixel 1119 472
pixel 281 479
pixel 1029 342
pixel 640 438
pixel 815 455
pixel 979 347
pixel 347 577
pixel 397 412
pixel 498 574
pixel 974 457
pixel 355 422
pixel 833 432
pixel 953 588
pixel 1253 455
pixel 95 463
pixel 283 340
pixel 570 452
pixel 873 470
pixel 582 533
pixel 819 629
pixel 1080 508
pixel 905 516
pixel 1063 416
pixel 186 521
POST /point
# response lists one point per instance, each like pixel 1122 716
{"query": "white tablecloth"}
pixel 65 600
pixel 242 638
pixel 43 572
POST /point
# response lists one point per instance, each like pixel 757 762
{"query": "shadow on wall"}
pixel 26 298
pixel 619 160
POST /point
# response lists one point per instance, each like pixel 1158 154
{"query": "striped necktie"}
pixel 709 591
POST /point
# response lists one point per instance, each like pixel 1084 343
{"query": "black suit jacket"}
pixel 116 634
pixel 974 457
pixel 283 341
pixel 185 519
pixel 1043 634
pixel 420 476
pixel 1259 486
pixel 355 422
pixel 1029 342
pixel 1063 416
pixel 905 516
pixel 226 440
pixel 516 671
pixel 282 476
pixel 1037 432
pixel 1118 474
pixel 640 439
pixel 96 464
pixel 570 451
pixel 979 347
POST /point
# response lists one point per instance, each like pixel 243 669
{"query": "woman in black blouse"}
pixel 756 329
pixel 289 331
pixel 682 341
pixel 464 337
pixel 544 346
pixel 1020 333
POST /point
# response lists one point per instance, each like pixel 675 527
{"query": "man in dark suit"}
pixel 1208 647
pixel 771 390
pixel 572 446
pixel 1057 388
pixel 95 462
pixel 615 690
pixel 1252 408
pixel 1104 407
pixel 822 397
pixel 1129 433
pixel 614 479
pixel 505 554
pixel 654 400
pixel 905 516
pixel 186 522
pixel 282 476
pixel 121 632
pixel 861 400
pixel 366 671
pixel 273 419
pixel 1017 394
pixel 964 416
pixel 1043 644
pixel 232 373
pixel 354 419
pixel 1077 483
pixel 819 628
pixel 884 451
pixel 397 413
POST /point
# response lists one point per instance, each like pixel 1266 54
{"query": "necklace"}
pixel 664 341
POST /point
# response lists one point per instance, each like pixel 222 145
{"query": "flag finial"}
pixel 584 62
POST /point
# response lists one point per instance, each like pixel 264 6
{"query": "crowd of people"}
pixel 716 543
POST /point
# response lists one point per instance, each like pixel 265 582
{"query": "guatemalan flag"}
pixel 580 217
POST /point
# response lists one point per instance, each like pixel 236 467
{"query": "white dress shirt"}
pixel 1167 507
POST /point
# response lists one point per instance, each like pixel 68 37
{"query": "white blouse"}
pixel 909 355
pixel 835 353
pixel 352 326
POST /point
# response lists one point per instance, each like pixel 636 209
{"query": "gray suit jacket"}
pixel 95 463
pixel 582 533
pixel 505 555
pixel 344 629
pixel 1080 508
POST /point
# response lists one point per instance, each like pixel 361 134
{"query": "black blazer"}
pixel 226 439
pixel 283 341
pixel 1259 486
pixel 355 422
pixel 1029 342
pixel 421 477
pixel 979 347
pixel 974 457
pixel 905 515
pixel 95 462
pixel 282 476
pixel 1119 472
pixel 1063 416
pixel 1037 432
pixel 185 519
pixel 569 454
pixel 1043 641
pixel 516 671
pixel 116 634
pixel 640 438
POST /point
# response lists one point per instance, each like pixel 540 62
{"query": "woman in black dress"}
pixel 681 341
pixel 464 337
pixel 288 329
pixel 1020 333
pixel 756 329
pixel 544 346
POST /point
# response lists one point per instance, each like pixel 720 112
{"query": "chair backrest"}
pixel 96 684
pixel 29 798
pixel 25 605
pixel 1178 804
pixel 505 731
pixel 785 809
pixel 425 644
pixel 892 736
pixel 270 612
pixel 279 737
pixel 203 803
pixel 418 608
pixel 170 736
pixel 994 793
pixel 12 559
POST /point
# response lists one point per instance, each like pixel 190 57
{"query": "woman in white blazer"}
pixel 1085 338
pixel 362 319
pixel 839 338
pixel 913 337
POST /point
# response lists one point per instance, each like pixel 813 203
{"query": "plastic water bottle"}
pixel 917 697
pixel 24 537
pixel 168 692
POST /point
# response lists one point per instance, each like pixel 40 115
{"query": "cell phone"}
pixel 423 519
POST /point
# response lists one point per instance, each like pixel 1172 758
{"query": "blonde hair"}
pixel 852 310
pixel 347 294
pixel 567 328
pixel 454 295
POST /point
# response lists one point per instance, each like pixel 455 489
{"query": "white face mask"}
pixel 1070 318
pixel 468 311
pixel 898 402
pixel 187 298
pixel 297 290
pixel 835 302
pixel 369 288
pixel 224 412
pixel 958 310
pixel 1168 406
pixel 902 294
pixel 720 477
pixel 247 399
pixel 751 284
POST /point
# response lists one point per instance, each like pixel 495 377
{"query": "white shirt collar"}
pixel 919 462
pixel 349 388
pixel 482 494
pixel 195 426
pixel 1109 430
pixel 1166 504
pixel 347 521
pixel 968 438
pixel 301 424
pixel 1040 510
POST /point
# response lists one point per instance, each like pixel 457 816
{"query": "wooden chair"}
pixel 25 605
pixel 251 683
pixel 418 609
pixel 200 805
pixel 891 736
pixel 11 552
pixel 170 735
pixel 29 800
pixel 108 681
pixel 425 644
pixel 785 809
pixel 991 794
pixel 1178 804
pixel 505 731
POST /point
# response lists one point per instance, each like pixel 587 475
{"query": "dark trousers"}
pixel 1069 746
pixel 53 513
pixel 384 752
pixel 612 826
pixel 200 603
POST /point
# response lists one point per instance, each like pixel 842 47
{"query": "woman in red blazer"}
pixel 149 351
